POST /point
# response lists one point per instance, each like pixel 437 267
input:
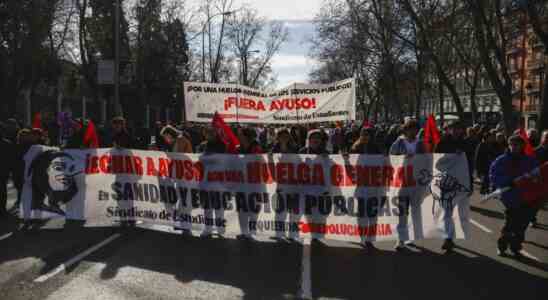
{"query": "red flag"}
pixel 91 140
pixel 533 188
pixel 225 133
pixel 367 124
pixel 37 121
pixel 431 134
pixel 528 149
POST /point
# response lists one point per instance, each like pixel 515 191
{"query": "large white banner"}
pixel 298 103
pixel 353 198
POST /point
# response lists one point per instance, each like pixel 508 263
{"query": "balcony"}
pixel 535 64
pixel 531 108
pixel 535 43
pixel 513 69
pixel 533 88
pixel 514 50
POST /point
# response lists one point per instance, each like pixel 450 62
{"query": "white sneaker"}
pixel 400 245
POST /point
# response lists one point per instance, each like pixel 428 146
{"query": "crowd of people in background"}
pixel 481 144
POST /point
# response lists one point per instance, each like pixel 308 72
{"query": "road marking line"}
pixel 5 236
pixel 75 259
pixel 529 255
pixel 477 224
pixel 306 279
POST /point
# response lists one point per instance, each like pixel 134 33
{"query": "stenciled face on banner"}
pixel 59 173
pixel 53 178
pixel 443 186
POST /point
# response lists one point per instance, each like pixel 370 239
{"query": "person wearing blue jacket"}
pixel 503 173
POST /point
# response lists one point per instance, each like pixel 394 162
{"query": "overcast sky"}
pixel 291 64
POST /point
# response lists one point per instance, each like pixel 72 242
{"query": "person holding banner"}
pixel 248 141
pixel 316 143
pixel 454 142
pixel 212 143
pixel 120 135
pixel 503 173
pixel 284 142
pixel 248 145
pixel 365 143
pixel 285 145
pixel 176 140
pixel 407 144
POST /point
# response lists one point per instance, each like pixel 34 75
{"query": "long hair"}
pixel 40 181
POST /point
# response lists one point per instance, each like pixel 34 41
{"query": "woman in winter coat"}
pixel 176 140
pixel 284 142
pixel 316 143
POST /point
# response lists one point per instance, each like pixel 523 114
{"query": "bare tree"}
pixel 492 25
pixel 538 13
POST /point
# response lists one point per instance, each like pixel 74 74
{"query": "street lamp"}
pixel 224 14
pixel 117 110
pixel 243 66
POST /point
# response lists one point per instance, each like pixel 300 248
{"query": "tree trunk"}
pixel 542 123
pixel 442 102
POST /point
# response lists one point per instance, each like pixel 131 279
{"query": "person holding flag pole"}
pixel 511 175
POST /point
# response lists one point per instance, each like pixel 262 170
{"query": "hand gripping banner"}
pixel 298 103
pixel 349 198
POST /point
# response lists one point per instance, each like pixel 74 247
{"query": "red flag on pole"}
pixel 37 121
pixel 225 133
pixel 91 140
pixel 528 149
pixel 367 124
pixel 533 188
pixel 431 134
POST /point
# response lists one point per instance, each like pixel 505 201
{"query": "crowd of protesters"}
pixel 486 149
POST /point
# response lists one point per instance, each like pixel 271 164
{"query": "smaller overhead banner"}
pixel 298 103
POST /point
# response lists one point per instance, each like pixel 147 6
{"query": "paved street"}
pixel 59 262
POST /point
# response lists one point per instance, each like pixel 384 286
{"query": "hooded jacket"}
pixel 505 169
pixel 323 146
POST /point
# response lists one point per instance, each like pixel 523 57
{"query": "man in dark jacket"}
pixel 120 134
pixel 6 161
pixel 486 153
pixel 503 172
pixel 212 143
pixel 541 153
pixel 453 141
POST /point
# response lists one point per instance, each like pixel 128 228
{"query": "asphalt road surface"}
pixel 71 262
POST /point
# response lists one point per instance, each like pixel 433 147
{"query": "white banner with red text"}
pixel 298 103
pixel 349 198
